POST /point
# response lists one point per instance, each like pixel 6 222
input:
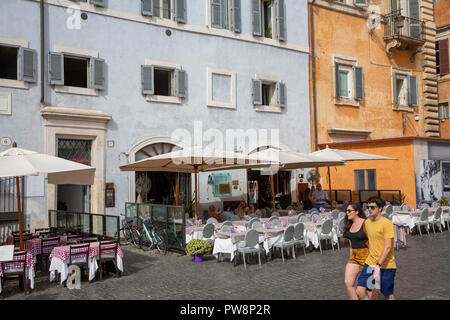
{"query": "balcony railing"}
pixel 398 26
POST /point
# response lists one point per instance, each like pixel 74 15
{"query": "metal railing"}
pixel 171 218
pixel 392 196
pixel 401 26
pixel 340 196
pixel 91 224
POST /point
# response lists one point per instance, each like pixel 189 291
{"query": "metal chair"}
pixel 256 224
pixel 208 233
pixel 189 223
pixel 340 229
pixel 447 221
pixel 47 245
pixel 303 218
pixel 226 226
pixel 404 207
pixel 250 223
pixel 235 218
pixel 275 221
pixel 299 230
pixel 275 214
pixel 299 217
pixel 335 214
pixel 437 219
pixel 107 253
pixel 250 245
pixel 287 241
pixel 16 268
pixel 341 215
pixel 326 233
pixel 212 220
pixel 423 221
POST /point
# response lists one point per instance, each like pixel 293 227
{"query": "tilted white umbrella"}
pixel 195 159
pixel 17 162
pixel 345 155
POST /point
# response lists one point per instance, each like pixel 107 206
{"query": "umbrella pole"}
pixel 196 194
pixel 273 191
pixel 329 187
pixel 19 209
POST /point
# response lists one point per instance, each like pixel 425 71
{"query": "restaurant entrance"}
pixel 282 188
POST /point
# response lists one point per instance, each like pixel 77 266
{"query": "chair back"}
pixel 89 240
pixel 327 226
pixel 18 232
pixel 288 234
pixel 289 208
pixel 341 215
pixel 235 218
pixel 299 229
pixel 315 215
pixel 424 215
pixel 425 205
pixel 253 215
pixel 299 216
pixel 272 218
pixel 437 214
pixel 403 207
pixel 256 224
pixel 47 234
pixel 275 214
pixel 276 223
pixel 79 252
pixel 303 219
pixel 435 204
pixel 341 225
pixel 389 209
pixel 47 244
pixel 25 237
pixel 251 238
pixel 225 228
pixel 19 262
pixel 227 223
pixel 212 220
pixel 189 223
pixel 208 230
pixel 108 248
pixel 335 214
pixel 250 223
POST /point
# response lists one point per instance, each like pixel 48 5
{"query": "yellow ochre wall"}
pixel 390 174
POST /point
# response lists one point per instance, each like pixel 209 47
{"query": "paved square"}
pixel 422 273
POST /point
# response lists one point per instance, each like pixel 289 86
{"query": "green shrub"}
pixel 444 202
pixel 197 246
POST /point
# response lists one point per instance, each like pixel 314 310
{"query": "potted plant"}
pixel 198 248
pixel 444 202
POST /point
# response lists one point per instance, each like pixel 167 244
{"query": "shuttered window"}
pixel 360 2
pixel 162 81
pixel 18 63
pixel 359 83
pixel 257 91
pixel 412 90
pixel 365 179
pixel 256 17
pixel 280 14
pixel 443 111
pixel 180 11
pixel 442 57
pixel 147 7
pixel 100 3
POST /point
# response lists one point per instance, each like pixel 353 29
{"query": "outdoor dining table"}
pixel 196 231
pixel 312 230
pixel 409 218
pixel 17 266
pixel 285 220
pixel 59 260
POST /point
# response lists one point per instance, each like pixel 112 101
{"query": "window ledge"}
pixel 76 90
pixel 13 84
pixel 218 104
pixel 163 99
pixel 347 102
pixel 402 108
pixel 273 109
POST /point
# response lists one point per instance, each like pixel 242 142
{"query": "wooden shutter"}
pixel 180 83
pixel 280 19
pixel 147 7
pixel 256 18
pixel 412 90
pixel 359 83
pixel 337 88
pixel 281 94
pixel 147 80
pixel 360 2
pixel 97 73
pixel 27 64
pixel 414 15
pixel 444 58
pixel 257 91
pixel 180 11
pixel 56 68
pixel 394 88
pixel 100 3
pixel 216 13
pixel 236 15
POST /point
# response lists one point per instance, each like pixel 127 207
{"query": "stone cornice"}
pixel 61 113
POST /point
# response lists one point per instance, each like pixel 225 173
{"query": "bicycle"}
pixel 129 232
pixel 150 237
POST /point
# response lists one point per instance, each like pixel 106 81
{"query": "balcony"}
pixel 403 33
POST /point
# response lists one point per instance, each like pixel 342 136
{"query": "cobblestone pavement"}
pixel 423 273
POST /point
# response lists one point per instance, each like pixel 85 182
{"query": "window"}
pixel 443 111
pixel 269 19
pixel 165 9
pixel 17 63
pixel 221 184
pixel 269 93
pixel 226 14
pixel 349 81
pixel 163 81
pixel 365 179
pixel 442 57
pixel 74 70
pixel 221 88
pixel 405 89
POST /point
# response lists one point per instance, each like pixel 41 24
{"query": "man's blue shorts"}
pixel 387 277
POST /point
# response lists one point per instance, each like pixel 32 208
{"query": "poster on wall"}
pixel 430 180
pixel 446 178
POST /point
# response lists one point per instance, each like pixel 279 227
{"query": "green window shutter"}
pixel 216 13
pixel 180 83
pixel 236 16
pixel 256 18
pixel 148 86
pixel 360 3
pixel 337 88
pixel 257 91
pixel 100 3
pixel 281 94
pixel 395 89
pixel 97 73
pixel 56 68
pixel 281 20
pixel 359 83
pixel 180 11
pixel 147 7
pixel 27 64
pixel 412 90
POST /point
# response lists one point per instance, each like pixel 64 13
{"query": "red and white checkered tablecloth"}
pixel 16 265
pixel 34 245
pixel 63 252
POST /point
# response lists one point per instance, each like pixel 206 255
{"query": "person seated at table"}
pixel 320 197
pixel 243 209
pixel 213 213
pixel 252 209
pixel 227 214
pixel 308 201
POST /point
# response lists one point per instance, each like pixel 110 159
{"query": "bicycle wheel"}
pixel 135 238
pixel 127 235
pixel 145 243
pixel 161 241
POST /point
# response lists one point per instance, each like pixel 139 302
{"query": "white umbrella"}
pixel 345 155
pixel 193 160
pixel 17 162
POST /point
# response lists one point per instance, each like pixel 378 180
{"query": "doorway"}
pixel 282 188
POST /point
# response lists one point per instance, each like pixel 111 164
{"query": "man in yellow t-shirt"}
pixel 379 269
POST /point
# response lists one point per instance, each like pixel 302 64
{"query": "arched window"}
pixel 155 149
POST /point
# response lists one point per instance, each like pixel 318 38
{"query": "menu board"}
pixel 6 253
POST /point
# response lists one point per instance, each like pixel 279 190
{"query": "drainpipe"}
pixel 42 55
pixel 313 71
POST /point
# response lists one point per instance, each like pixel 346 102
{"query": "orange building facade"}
pixel 374 89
